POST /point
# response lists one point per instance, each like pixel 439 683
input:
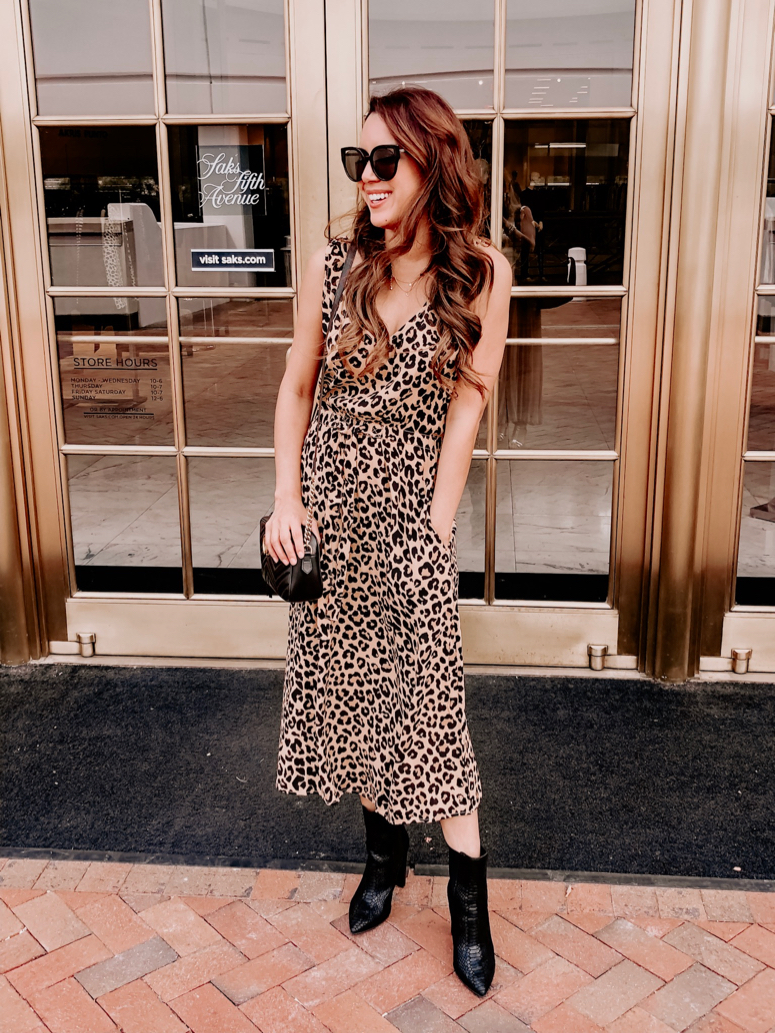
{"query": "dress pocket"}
pixel 437 537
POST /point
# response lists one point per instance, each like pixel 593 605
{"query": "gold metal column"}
pixel 676 647
pixel 14 627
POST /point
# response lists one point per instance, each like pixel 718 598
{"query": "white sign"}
pixel 231 176
pixel 232 258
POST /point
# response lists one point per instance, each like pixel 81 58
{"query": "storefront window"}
pixel 92 58
pixel 225 551
pixel 234 356
pixel 224 56
pixel 114 370
pixel 562 54
pixel 101 195
pixel 768 228
pixel 756 556
pixel 480 137
pixel 553 530
pixel 231 205
pixel 558 379
pixel 446 45
pixel 125 523
pixel 565 200
pixel 761 417
pixel 469 538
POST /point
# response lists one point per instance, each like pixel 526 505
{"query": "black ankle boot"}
pixel 387 846
pixel 472 949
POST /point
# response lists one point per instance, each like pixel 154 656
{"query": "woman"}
pixel 374 698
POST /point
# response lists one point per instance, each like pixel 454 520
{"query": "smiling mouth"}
pixel 376 199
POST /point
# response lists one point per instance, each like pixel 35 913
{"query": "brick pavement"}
pixel 99 947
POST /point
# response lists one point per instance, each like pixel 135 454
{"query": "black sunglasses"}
pixel 383 160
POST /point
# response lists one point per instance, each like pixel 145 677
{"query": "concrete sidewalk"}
pixel 94 947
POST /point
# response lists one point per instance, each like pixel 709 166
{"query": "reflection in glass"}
pixel 446 45
pixel 224 56
pixel 756 555
pixel 101 195
pixel 561 394
pixel 480 136
pixel 114 371
pixel 564 54
pixel 553 530
pixel 231 205
pixel 125 523
pixel 761 419
pixel 232 368
pixel 469 537
pixel 768 228
pixel 565 199
pixel 228 497
pixel 558 396
pixel 92 58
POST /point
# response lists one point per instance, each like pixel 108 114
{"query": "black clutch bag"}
pixel 294 582
pixel 301 581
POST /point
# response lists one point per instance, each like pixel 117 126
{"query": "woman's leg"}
pixel 462 833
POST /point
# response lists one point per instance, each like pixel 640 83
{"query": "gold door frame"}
pixel 554 634
pixel 722 626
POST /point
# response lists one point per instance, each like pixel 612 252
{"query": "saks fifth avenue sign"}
pixel 231 176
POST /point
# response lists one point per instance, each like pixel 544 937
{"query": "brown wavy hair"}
pixel 451 198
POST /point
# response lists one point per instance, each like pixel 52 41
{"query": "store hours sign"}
pixel 231 181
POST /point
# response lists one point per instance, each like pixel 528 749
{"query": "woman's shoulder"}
pixel 501 267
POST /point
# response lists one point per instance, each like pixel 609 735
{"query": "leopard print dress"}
pixel 373 699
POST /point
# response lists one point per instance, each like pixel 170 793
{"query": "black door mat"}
pixel 579 774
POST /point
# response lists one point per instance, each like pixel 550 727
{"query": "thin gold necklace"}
pixel 413 282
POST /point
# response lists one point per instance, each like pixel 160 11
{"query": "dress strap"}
pixel 336 254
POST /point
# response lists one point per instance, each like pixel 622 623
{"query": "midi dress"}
pixel 373 694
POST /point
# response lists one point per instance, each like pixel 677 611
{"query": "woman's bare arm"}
pixel 284 534
pixel 467 406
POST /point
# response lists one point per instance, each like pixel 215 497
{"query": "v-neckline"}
pixel 411 319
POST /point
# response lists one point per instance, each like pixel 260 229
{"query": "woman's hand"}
pixel 284 536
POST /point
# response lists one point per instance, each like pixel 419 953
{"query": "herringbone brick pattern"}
pixel 96 948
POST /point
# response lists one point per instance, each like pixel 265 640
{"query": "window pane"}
pixel 756 556
pixel 761 419
pixel 596 320
pixel 224 56
pixel 566 198
pixel 126 533
pixel 114 371
pixel 230 375
pixel 480 136
pixel 558 396
pixel 553 530
pixel 228 497
pixel 230 205
pixel 92 58
pixel 768 229
pixel 469 536
pixel 101 194
pixel 562 54
pixel 446 45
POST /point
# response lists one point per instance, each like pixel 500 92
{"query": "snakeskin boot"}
pixel 473 954
pixel 387 846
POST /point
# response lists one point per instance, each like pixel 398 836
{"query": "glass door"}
pixel 549 97
pixel 179 154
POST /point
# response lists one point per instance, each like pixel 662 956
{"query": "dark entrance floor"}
pixel 579 774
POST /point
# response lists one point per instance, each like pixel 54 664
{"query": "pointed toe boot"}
pixel 473 954
pixel 387 847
